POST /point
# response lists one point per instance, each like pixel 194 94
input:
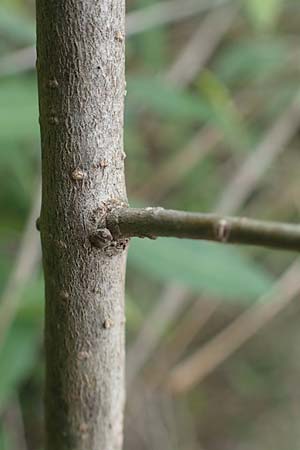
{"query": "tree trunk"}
pixel 81 90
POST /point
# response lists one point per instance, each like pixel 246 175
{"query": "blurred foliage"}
pixel 248 81
pixel 217 270
pixel 264 14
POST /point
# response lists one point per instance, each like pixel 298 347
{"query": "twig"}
pixel 253 168
pixel 156 222
pixel 188 63
pixel 261 160
pixel 265 155
pixel 195 368
pixel 28 256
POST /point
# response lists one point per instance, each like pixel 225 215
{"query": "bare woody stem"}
pixel 81 79
pixel 155 222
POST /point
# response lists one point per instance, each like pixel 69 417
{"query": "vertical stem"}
pixel 81 89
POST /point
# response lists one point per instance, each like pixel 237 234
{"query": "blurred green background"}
pixel 212 124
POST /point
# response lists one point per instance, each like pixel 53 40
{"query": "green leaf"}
pixel 201 267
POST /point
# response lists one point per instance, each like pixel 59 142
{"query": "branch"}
pixel 124 223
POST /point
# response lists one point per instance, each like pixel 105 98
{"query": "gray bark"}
pixel 81 89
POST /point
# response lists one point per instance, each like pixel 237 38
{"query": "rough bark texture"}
pixel 81 89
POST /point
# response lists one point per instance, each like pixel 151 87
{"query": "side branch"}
pixel 156 222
